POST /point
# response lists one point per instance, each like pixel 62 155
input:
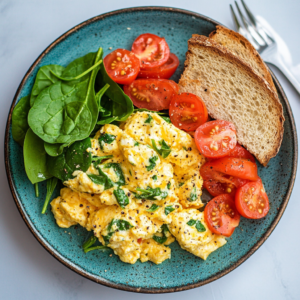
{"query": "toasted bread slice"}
pixel 232 91
pixel 241 47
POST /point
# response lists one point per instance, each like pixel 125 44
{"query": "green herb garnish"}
pixel 136 144
pixel 199 226
pixel 167 119
pixel 148 120
pixel 87 246
pixel 153 208
pixel 154 177
pixel 193 195
pixel 106 138
pixel 169 209
pixel 151 193
pixel 152 162
pixel 164 151
pixel 121 226
pixel 162 239
pixel 169 185
pixel 98 159
pixel 121 197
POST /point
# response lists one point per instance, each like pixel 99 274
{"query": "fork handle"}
pixel 277 61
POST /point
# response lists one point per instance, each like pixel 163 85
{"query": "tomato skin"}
pixel 165 71
pixel 236 167
pixel 219 218
pixel 257 200
pixel 216 139
pixel 152 50
pixel 172 82
pixel 152 94
pixel 216 188
pixel 122 66
pixel 187 111
pixel 241 152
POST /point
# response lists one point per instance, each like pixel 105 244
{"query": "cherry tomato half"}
pixel 221 215
pixel 223 168
pixel 251 200
pixel 216 188
pixel 153 94
pixel 152 50
pixel 165 71
pixel 241 152
pixel 122 66
pixel 216 139
pixel 187 111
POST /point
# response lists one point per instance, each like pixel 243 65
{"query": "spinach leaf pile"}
pixel 66 106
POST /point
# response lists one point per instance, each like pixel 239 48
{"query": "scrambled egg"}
pixel 143 195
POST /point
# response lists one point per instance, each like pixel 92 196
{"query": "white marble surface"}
pixel 27 271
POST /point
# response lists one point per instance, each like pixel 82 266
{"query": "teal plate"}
pixel 183 271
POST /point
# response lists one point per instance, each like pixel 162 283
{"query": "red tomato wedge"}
pixel 165 71
pixel 187 111
pixel 122 66
pixel 241 152
pixel 152 94
pixel 251 200
pixel 152 50
pixel 173 83
pixel 223 168
pixel 216 188
pixel 216 139
pixel 221 215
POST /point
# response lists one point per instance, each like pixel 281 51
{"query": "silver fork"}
pixel 262 41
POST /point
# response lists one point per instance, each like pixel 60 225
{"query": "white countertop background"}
pixel 27 271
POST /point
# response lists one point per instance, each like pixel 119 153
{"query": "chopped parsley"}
pixel 199 226
pixel 154 177
pixel 169 209
pixel 193 195
pixel 151 193
pixel 153 208
pixel 152 162
pixel 106 138
pixel 164 151
pixel 121 197
pixel 148 120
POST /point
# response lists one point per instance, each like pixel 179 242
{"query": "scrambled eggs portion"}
pixel 142 191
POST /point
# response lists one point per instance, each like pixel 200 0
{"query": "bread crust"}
pixel 219 50
pixel 255 55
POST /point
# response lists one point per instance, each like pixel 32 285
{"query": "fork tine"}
pixel 255 36
pixel 236 21
pixel 261 31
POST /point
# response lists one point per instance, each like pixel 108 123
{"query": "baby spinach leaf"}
pixel 167 119
pixel 87 246
pixel 152 161
pixel 36 189
pixel 153 208
pixel 151 193
pixel 199 226
pixel 118 171
pixel 154 177
pixel 164 151
pixel 35 158
pixel 162 239
pixel 122 106
pixel 169 209
pixel 148 120
pixel 102 179
pixel 72 159
pixel 160 113
pixel 19 124
pixel 193 195
pixel 120 225
pixel 51 184
pixel 136 144
pixel 121 197
pixel 44 79
pixel 169 185
pixel 65 112
pixel 54 149
pixel 100 94
pixel 106 138
pixel 98 159
pixel 181 184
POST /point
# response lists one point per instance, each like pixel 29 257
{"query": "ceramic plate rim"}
pixel 78 269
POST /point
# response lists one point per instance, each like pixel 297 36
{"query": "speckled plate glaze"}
pixel 183 271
